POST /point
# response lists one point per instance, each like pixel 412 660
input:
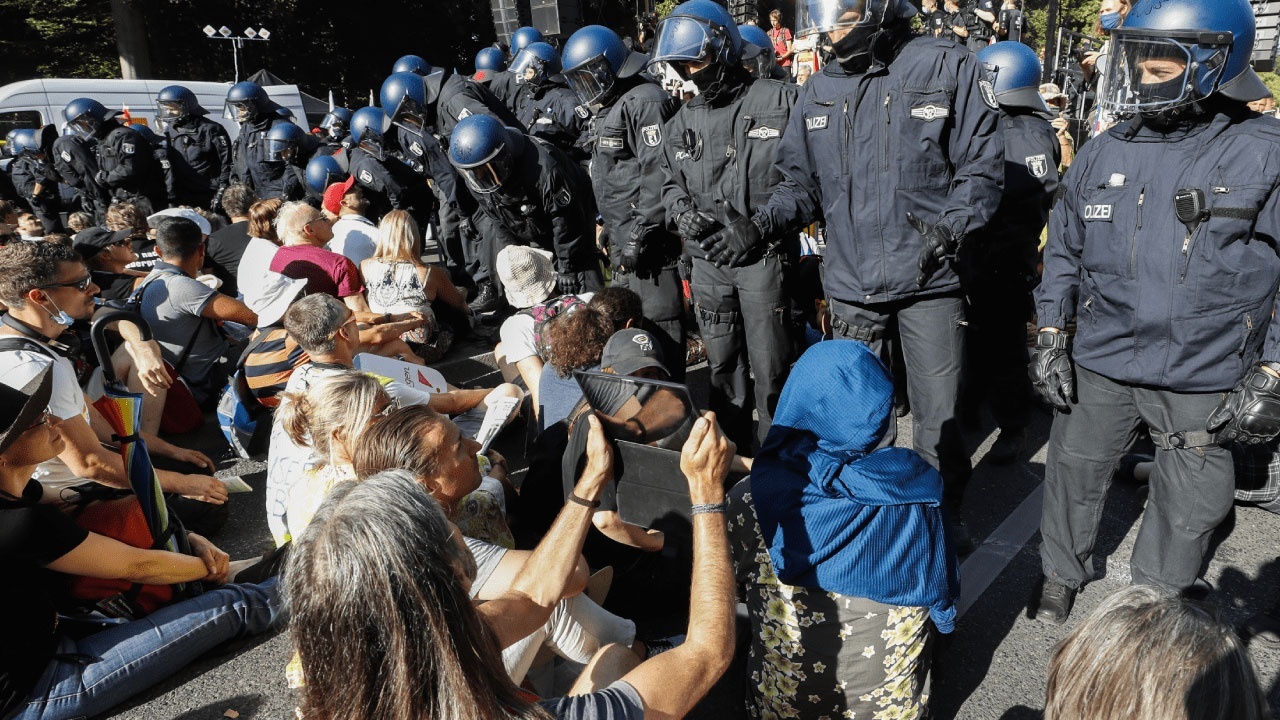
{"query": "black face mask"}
pixel 853 51
pixel 1167 91
pixel 710 81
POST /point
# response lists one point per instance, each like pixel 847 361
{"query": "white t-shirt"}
pixel 255 266
pixel 517 334
pixel 355 237
pixel 17 368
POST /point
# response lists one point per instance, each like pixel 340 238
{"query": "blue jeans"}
pixel 92 675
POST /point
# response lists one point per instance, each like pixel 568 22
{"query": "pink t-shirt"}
pixel 325 271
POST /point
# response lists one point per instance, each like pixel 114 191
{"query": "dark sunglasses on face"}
pixel 82 284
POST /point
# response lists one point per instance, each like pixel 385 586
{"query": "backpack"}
pixel 245 422
pixel 544 313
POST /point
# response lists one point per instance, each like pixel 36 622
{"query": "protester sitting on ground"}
pixel 623 307
pixel 184 313
pixel 369 541
pixel 840 549
pixel 45 671
pixel 226 247
pixel 78 221
pixel 576 339
pixel 58 238
pixel 272 354
pixel 396 281
pixel 529 282
pixel 47 287
pixel 1145 655
pixel 327 419
pixel 108 254
pixel 354 235
pixel 127 216
pixel 255 263
pixel 8 222
pixel 326 330
pixel 154 220
pixel 437 455
pixel 30 227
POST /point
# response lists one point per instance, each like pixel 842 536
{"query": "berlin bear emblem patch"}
pixel 652 135
pixel 1037 165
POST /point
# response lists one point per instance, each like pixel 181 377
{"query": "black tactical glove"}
pixel 939 245
pixel 629 252
pixel 1250 413
pixel 694 224
pixel 733 243
pixel 101 178
pixel 568 283
pixel 216 203
pixel 1052 374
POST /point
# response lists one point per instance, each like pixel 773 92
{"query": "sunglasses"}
pixel 82 284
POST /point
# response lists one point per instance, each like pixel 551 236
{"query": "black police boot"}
pixel 959 532
pixel 487 298
pixel 1008 447
pixel 1055 601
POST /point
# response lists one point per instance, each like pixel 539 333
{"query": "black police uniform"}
pixel 719 158
pixel 504 87
pixel 249 151
pixel 28 172
pixel 461 96
pixel 954 20
pixel 390 185
pixel 1168 318
pixel 936 24
pixel 162 183
pixel 980 31
pixel 200 155
pixel 626 175
pixel 425 155
pixel 1012 24
pixel 551 111
pixel 77 163
pixel 999 271
pixel 127 169
pixel 546 202
pixel 916 133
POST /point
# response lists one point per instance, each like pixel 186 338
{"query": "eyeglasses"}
pixel 82 284
pixel 44 418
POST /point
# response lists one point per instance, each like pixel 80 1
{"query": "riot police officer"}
pixel 544 104
pixel 529 193
pixel 34 177
pixel 282 174
pixel 757 54
pixel 336 125
pixel 979 21
pixel 896 144
pixel 321 172
pixel 1159 247
pixel 626 174
pixel 447 97
pixel 77 165
pixel 200 148
pixel 737 292
pixel 126 167
pixel 999 264
pixel 250 106
pixel 389 184
pixel 491 71
pixel 162 180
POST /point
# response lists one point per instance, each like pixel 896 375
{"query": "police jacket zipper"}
pixel 845 124
pixel 1133 244
pixel 888 121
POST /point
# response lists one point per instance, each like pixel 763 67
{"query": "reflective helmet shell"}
pixel 699 30
pixel 1236 79
pixel 322 171
pixel 368 123
pixel 412 64
pixel 522 37
pixel 1015 71
pixel 491 59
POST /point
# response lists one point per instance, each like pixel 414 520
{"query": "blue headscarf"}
pixel 835 512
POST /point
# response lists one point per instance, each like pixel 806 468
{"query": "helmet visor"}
pixel 280 150
pixel 1147 74
pixel 334 123
pixel 86 126
pixel 686 38
pixel 827 15
pixel 525 62
pixel 171 109
pixel 373 147
pixel 482 178
pixel 240 111
pixel 410 115
pixel 591 80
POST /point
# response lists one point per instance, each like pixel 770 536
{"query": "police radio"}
pixel 1189 206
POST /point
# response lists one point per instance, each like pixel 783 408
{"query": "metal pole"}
pixel 235 56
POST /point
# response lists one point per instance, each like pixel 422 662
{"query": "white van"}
pixel 36 103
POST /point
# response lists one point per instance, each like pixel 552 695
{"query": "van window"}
pixel 13 119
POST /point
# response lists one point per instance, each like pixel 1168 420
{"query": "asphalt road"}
pixel 992 666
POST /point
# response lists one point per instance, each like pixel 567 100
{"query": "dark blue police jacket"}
pixel 919 135
pixel 1156 302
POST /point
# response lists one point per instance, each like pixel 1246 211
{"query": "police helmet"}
pixel 409 100
pixel 10 148
pixel 592 59
pixel 322 171
pixel 24 141
pixel 491 59
pixel 697 31
pixel 826 15
pixel 1172 53
pixel 535 63
pixel 246 101
pixel 1015 72
pixel 146 132
pixel 176 102
pixel 484 151
pixel 412 64
pixel 85 116
pixel 757 51
pixel 368 124
pixel 336 123
pixel 522 37
pixel 283 141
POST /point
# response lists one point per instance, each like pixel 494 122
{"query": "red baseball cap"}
pixel 334 193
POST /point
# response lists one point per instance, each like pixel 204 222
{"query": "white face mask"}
pixel 62 318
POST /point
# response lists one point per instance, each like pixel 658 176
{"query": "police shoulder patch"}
pixel 563 197
pixel 988 94
pixel 581 112
pixel 1037 165
pixel 464 112
pixel 66 156
pixel 365 176
pixel 764 132
pixel 126 148
pixel 611 143
pixel 817 122
pixel 416 148
pixel 651 134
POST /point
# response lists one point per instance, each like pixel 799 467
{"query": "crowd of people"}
pixel 840 251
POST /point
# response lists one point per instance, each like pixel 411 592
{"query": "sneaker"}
pixel 1054 604
pixel 1008 447
pixel 487 298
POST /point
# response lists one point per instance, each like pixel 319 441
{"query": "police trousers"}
pixel 662 297
pixel 931 332
pixel 742 314
pixel 1191 489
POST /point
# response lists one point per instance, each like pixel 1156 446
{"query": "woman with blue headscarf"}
pixel 840 549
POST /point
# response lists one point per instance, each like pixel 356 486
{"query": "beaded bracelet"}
pixel 707 508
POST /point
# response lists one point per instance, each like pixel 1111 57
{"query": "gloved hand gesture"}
pixel 694 224
pixel 939 244
pixel 733 243
pixel 568 283
pixel 629 251
pixel 101 178
pixel 216 203
pixel 1052 374
pixel 1250 413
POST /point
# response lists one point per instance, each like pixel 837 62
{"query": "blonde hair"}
pixel 1142 655
pixel 338 405
pixel 399 239
pixel 126 216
